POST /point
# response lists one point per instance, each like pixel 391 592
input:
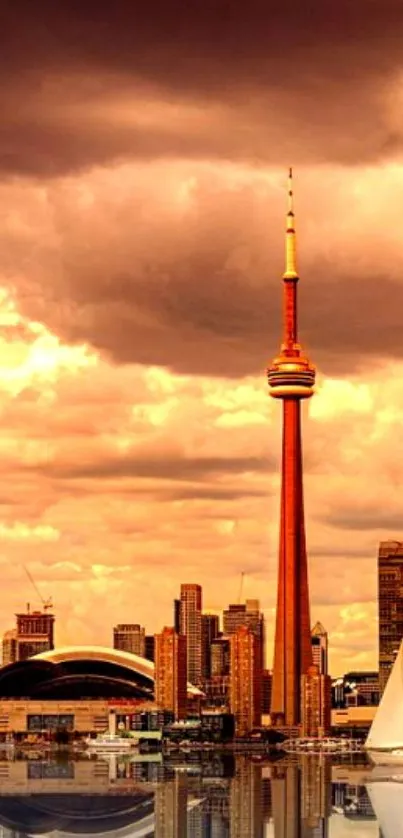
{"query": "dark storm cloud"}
pixel 364 519
pixel 196 288
pixel 161 467
pixel 302 81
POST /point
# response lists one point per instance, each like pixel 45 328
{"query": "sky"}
pixel 144 151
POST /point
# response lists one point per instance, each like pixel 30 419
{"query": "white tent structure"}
pixel 386 733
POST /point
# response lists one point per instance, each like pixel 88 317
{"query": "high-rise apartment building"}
pixel 191 622
pixel 319 642
pixel 246 614
pixel 34 633
pixel 245 680
pixel 209 630
pixel 129 637
pixel 9 647
pixel 390 605
pixel 170 672
pixel 316 699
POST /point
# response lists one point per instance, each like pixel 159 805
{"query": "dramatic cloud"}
pixel 143 155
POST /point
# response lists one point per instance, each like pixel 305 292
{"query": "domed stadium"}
pixel 81 689
pixel 81 672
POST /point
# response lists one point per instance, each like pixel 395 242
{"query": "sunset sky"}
pixel 144 153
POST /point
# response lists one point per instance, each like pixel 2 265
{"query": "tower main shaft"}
pixel 291 378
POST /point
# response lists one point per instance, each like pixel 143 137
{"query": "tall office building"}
pixel 34 633
pixel 390 605
pixel 209 631
pixel 129 637
pixel 170 672
pixel 319 641
pixel 9 647
pixel 190 623
pixel 267 679
pixel 245 680
pixel 246 614
pixel 316 699
pixel 291 378
pixel 220 656
pixel 177 615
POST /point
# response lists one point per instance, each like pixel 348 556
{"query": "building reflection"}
pixel 302 798
pixel 186 796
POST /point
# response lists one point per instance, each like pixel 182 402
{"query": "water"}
pixel 203 796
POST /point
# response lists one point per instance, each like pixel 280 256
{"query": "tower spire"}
pixel 290 239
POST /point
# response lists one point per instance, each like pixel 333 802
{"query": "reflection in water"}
pixel 192 796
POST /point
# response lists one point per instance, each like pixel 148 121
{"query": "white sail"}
pixel 387 802
pixel 387 728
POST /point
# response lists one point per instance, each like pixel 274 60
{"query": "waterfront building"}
pixel 291 378
pixel 390 606
pixel 190 624
pixel 245 680
pixel 170 672
pixel 129 637
pixel 320 648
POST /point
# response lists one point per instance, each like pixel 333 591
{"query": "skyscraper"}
pixel 245 680
pixel 170 672
pixel 190 619
pixel 291 378
pixel 319 642
pixel 129 637
pixel 390 604
pixel 246 614
pixel 209 632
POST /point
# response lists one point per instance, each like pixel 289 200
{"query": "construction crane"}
pixel 47 603
pixel 243 574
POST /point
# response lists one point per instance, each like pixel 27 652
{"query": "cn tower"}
pixel 291 378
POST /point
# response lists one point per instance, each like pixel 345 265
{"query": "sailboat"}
pixel 385 738
pixel 387 802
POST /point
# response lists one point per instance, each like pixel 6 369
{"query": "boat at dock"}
pixel 321 745
pixel 110 743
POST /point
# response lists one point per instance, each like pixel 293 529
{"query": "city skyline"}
pixel 142 207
